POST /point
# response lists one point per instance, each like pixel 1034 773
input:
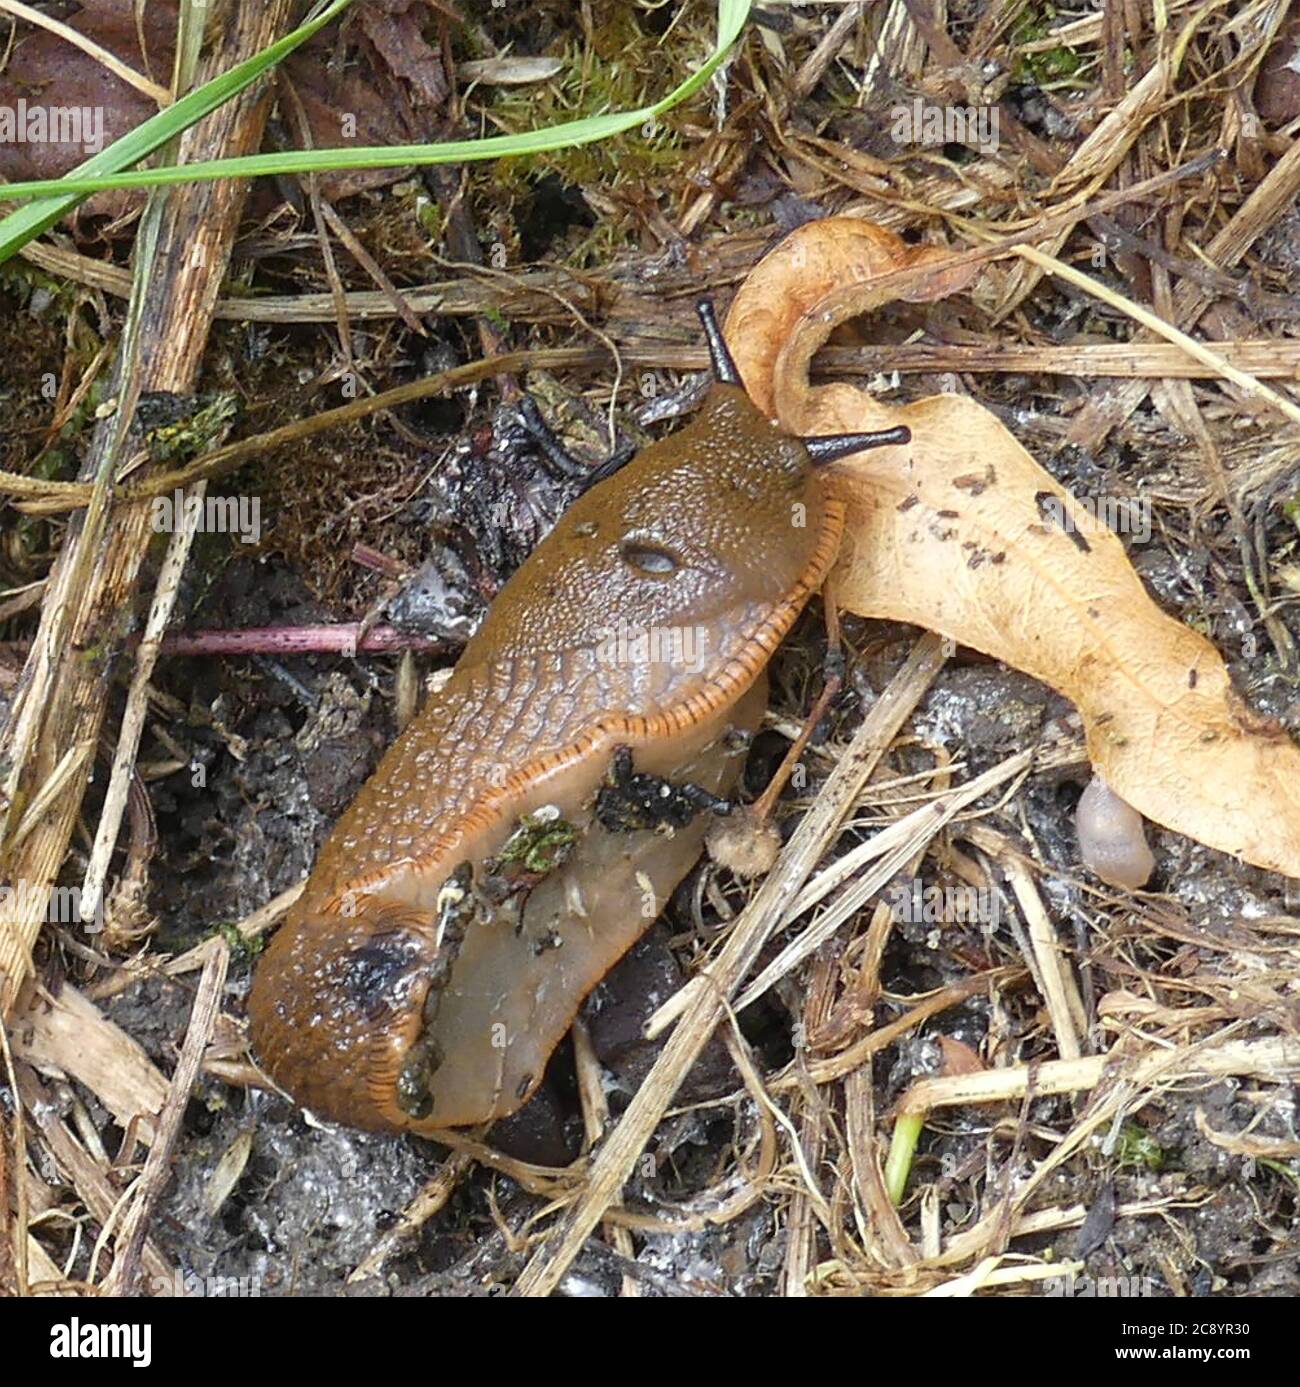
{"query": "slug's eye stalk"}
pixel 830 447
pixel 724 368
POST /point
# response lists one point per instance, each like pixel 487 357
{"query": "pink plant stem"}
pixel 379 562
pixel 299 640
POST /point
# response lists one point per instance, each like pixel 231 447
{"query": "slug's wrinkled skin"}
pixel 394 999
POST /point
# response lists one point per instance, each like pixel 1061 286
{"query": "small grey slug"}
pixel 1112 837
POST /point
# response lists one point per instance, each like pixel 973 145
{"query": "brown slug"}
pixel 505 853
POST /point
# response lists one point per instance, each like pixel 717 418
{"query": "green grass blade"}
pixel 732 15
pixel 902 1148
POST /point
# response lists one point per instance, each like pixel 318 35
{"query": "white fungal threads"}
pixel 1112 837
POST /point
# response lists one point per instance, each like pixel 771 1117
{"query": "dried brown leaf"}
pixel 964 533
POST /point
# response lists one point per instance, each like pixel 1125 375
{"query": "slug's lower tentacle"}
pixel 562 463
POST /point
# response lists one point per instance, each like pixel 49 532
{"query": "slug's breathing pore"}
pixel 436 957
pixel 1112 837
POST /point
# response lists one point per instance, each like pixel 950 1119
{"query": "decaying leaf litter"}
pixel 772 1175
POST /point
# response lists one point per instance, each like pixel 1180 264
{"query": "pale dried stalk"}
pixel 827 1071
pixel 250 927
pixel 903 840
pixel 1085 32
pixel 44 1274
pixel 889 1240
pixel 1149 320
pixel 1275 1058
pixel 431 1199
pixel 158 1164
pixel 17 1229
pixel 1131 1080
pixel 70 764
pixel 67 1033
pixel 1270 200
pixel 828 48
pixel 63 698
pixel 894 845
pixel 1026 1225
pixel 1060 992
pixel 137 704
pixel 1093 163
pixel 814 1125
pixel 595 1119
pixel 989 1274
pixel 625 1143
pixel 82 1169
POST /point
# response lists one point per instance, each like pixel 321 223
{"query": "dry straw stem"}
pixel 896 845
pixel 1122 1082
pixel 615 1162
pixel 431 1200
pixel 595 1118
pixel 251 927
pixel 1094 162
pixel 84 1171
pixel 72 763
pixel 1270 200
pixel 1275 1059
pixel 62 700
pixel 53 497
pixel 835 1276
pixel 15 1273
pixel 880 1226
pixel 1252 1147
pixel 1202 353
pixel 892 848
pixel 531 295
pixel 814 1136
pixel 1046 958
pixel 1085 32
pixel 1278 360
pixel 158 1165
pixel 1269 359
pixel 68 1034
pixel 137 701
pixel 826 1071
pixel 990 1273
